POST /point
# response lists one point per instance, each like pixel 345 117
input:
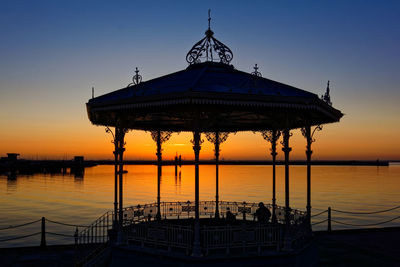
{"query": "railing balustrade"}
pixel 181 236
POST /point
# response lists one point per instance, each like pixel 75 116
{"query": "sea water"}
pixel 80 200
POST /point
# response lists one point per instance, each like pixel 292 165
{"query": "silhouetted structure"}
pixel 210 96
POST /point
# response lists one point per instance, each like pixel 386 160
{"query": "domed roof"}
pixel 210 96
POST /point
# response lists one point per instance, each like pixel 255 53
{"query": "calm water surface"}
pixel 68 199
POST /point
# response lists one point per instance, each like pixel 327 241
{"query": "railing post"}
pixel 76 235
pixel 104 230
pixel 329 220
pixel 43 238
pixel 91 234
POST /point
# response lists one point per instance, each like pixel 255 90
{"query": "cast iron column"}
pixel 115 142
pixel 159 137
pixel 196 147
pixel 216 151
pixel 286 149
pixel 275 136
pixel 115 180
pixel 272 136
pixel 158 216
pixel 308 153
pixel 217 138
pixel 121 143
pixel 306 131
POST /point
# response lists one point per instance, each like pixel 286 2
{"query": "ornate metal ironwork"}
pixel 256 72
pixel 164 136
pixel 207 47
pixel 182 210
pixel 269 135
pixel 201 141
pixel 213 138
pixel 136 79
pixel 289 135
pixel 122 131
pixel 326 97
pixel 304 132
pixel 108 130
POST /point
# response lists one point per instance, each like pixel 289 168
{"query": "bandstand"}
pixel 212 98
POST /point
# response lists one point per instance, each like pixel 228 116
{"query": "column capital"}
pixel 309 134
pixel 196 141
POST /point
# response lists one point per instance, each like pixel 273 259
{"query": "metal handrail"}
pixel 97 231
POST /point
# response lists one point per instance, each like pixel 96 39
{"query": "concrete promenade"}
pixel 366 247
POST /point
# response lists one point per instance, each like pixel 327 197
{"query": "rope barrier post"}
pixel 329 220
pixel 76 235
pixel 43 238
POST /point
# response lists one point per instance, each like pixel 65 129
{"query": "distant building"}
pixel 79 159
pixel 11 157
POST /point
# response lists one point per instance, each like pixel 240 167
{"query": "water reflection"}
pixel 79 198
pixel 13 177
pixel 11 182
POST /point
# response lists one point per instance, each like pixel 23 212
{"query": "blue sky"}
pixel 53 52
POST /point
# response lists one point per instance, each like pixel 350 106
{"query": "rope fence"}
pixel 43 231
pixel 373 212
pixel 67 224
pixel 19 237
pixel 322 212
pixel 365 225
pixel 329 221
pixel 20 225
pixel 319 222
pixel 58 234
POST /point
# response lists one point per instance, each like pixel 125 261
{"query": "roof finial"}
pixel 256 72
pixel 92 91
pixel 206 47
pixel 209 18
pixel 326 97
pixel 136 79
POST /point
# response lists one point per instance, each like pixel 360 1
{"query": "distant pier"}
pixel 12 165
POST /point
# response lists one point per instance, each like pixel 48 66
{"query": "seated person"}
pixel 230 217
pixel 263 214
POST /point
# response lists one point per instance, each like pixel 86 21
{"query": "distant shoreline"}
pixel 250 162
pixel 11 166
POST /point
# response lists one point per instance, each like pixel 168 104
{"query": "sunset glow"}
pixel 50 63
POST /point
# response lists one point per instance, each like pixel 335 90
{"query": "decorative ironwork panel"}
pixel 136 79
pixel 164 136
pixel 256 72
pixel 207 47
pixel 213 138
pixel 304 132
pixel 269 135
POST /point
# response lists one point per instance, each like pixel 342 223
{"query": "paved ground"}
pixel 57 256
pixel 379 247
pixel 340 248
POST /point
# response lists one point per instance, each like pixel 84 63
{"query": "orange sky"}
pixel 53 54
pixel 63 142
